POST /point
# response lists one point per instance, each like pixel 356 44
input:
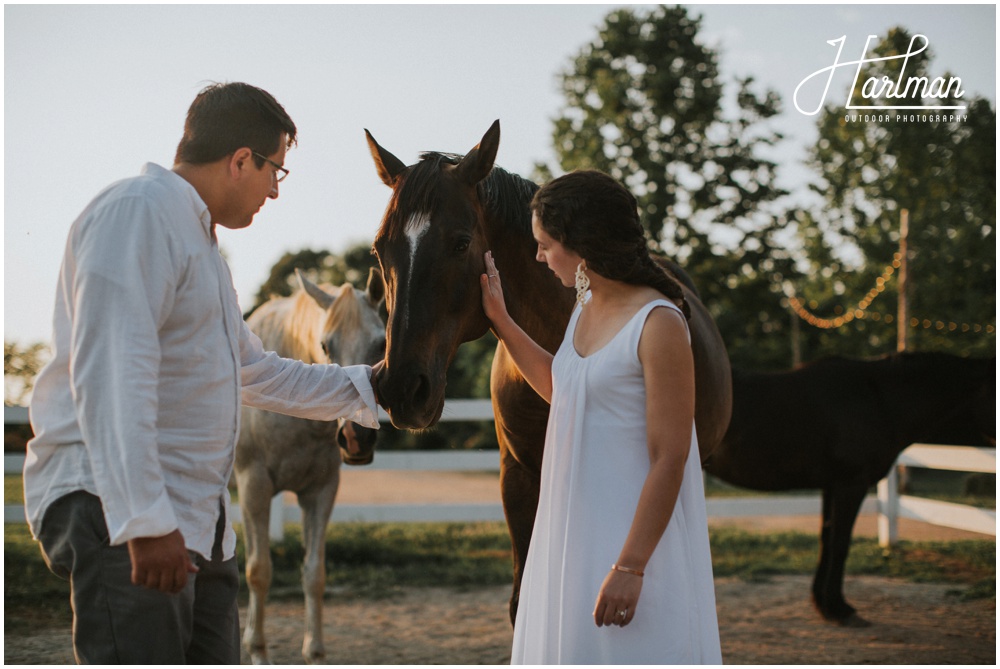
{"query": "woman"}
pixel 619 569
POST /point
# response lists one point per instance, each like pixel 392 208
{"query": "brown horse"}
pixel 837 425
pixel 277 452
pixel 445 212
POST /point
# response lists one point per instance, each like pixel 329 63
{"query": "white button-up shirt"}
pixel 140 404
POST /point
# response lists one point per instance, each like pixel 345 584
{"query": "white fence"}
pixel 888 504
pixel 892 505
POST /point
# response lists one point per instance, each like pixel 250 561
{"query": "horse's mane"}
pixel 505 195
pixel 508 196
pixel 290 325
pixel 345 314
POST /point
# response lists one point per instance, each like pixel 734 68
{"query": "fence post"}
pixel 888 508
pixel 902 311
pixel 276 525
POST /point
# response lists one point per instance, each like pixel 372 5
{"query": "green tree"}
pixel 943 172
pixel 644 102
pixel 21 365
pixel 320 267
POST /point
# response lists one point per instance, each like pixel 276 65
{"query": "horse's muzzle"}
pixel 357 444
pixel 408 400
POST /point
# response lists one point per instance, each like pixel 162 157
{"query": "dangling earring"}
pixel 582 282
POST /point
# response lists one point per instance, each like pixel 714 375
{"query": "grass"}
pixel 376 560
pixel 13 489
pixel 33 596
pixel 969 564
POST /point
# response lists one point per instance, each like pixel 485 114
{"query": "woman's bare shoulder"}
pixel 665 329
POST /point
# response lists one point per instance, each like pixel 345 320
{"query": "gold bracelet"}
pixel 626 570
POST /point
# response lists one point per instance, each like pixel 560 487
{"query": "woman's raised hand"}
pixel 534 362
pixel 493 303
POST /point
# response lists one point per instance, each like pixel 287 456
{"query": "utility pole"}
pixel 902 313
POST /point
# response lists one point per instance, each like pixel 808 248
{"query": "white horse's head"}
pixel 351 333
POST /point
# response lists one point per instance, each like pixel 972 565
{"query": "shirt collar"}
pixel 176 181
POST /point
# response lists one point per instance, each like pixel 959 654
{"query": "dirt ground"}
pixel 767 622
pixel 760 623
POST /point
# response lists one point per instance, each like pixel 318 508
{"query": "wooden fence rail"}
pixel 887 503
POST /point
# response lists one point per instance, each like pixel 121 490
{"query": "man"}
pixel 136 416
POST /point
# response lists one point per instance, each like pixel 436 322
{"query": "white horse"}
pixel 277 452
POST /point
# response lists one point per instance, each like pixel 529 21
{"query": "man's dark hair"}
pixel 227 117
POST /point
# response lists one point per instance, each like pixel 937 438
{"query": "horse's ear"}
pixel 375 287
pixel 389 166
pixel 324 299
pixel 477 163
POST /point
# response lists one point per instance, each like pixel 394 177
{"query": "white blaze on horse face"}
pixel 415 229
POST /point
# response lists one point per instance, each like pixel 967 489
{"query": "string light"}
pixel 861 311
pixel 857 312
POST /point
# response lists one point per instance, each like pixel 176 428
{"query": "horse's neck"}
pixel 536 300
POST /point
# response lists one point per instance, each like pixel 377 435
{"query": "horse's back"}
pixel 782 431
pixel 713 377
pixel 840 417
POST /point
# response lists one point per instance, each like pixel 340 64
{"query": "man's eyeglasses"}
pixel 280 172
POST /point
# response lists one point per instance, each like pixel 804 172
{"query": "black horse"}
pixel 838 425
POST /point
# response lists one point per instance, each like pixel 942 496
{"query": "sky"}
pixel 91 93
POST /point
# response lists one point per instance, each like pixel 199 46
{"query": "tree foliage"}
pixel 645 102
pixel 943 172
pixel 21 365
pixel 320 266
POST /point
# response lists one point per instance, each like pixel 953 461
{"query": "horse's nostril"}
pixel 421 390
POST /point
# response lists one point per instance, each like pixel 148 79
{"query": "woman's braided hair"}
pixel 597 218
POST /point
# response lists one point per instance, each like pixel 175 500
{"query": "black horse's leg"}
pixel 841 504
pixel 825 541
pixel 519 492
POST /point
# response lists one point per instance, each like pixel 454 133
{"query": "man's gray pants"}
pixel 116 622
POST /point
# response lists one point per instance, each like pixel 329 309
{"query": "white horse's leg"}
pixel 255 492
pixel 316 508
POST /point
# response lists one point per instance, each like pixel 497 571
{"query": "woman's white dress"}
pixel 593 469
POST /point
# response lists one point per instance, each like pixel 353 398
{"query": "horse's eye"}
pixel 462 245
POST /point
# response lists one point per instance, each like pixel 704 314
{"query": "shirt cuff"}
pixel 367 416
pixel 156 521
